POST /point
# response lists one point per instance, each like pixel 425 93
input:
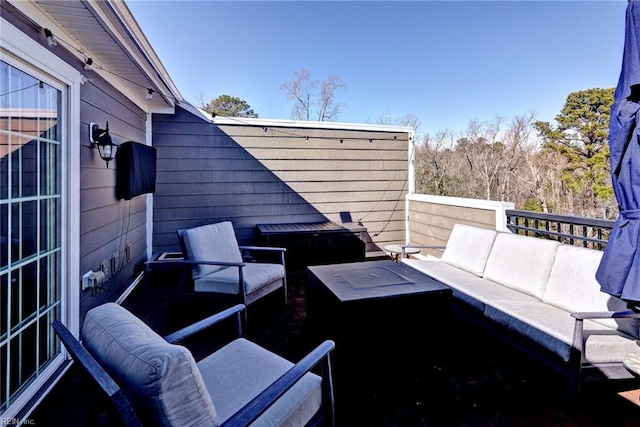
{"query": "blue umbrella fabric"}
pixel 619 270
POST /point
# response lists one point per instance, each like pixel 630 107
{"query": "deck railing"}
pixel 574 230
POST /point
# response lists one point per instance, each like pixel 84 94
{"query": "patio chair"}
pixel 218 265
pixel 153 381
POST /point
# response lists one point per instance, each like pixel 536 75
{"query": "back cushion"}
pixel 573 287
pixel 161 379
pixel 521 262
pixel 213 242
pixel 468 248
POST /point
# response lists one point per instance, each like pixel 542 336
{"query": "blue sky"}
pixel 446 62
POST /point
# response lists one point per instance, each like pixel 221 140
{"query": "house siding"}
pixel 108 225
pixel 209 173
pixel 431 218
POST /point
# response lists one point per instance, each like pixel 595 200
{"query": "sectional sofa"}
pixel 541 296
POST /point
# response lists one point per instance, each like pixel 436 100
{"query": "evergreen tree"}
pixel 229 106
pixel 581 137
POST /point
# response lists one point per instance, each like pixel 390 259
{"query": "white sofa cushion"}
pixel 468 248
pixel 606 346
pixel 573 287
pixel 441 271
pixel 239 371
pixel 521 262
pixel 466 286
pixel 212 242
pixel 161 379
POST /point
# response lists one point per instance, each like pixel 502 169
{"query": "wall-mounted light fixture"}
pixel 51 41
pixel 101 139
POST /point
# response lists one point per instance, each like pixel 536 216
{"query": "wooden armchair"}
pixel 153 381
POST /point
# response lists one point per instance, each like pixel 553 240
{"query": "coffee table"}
pixel 380 314
pixel 375 279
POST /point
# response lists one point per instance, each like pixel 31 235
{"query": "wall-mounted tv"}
pixel 135 170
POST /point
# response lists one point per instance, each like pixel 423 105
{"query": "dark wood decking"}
pixel 468 379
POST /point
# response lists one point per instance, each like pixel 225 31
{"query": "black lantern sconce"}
pixel 101 139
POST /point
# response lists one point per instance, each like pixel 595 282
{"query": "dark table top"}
pixel 375 279
pixel 310 227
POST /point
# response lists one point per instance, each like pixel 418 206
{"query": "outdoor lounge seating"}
pixel 153 381
pixel 218 265
pixel 542 296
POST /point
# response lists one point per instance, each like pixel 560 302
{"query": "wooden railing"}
pixel 574 230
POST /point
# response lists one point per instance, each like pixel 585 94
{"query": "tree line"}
pixel 561 168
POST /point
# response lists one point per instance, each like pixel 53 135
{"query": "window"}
pixel 30 228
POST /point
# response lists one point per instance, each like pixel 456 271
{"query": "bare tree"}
pixel 539 182
pixel 483 152
pixel 517 143
pixel 408 120
pixel 493 156
pixel 434 163
pixel 201 98
pixel 308 103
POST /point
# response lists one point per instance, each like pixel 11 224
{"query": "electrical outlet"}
pixel 114 263
pixel 104 267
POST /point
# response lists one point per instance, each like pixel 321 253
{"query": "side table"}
pixel 165 263
pixel 396 251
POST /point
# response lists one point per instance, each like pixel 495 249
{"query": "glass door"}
pixel 30 227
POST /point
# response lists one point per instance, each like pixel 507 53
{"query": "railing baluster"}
pixel 599 234
pixel 572 233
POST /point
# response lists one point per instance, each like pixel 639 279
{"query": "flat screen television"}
pixel 135 170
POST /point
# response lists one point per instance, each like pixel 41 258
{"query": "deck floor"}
pixel 468 381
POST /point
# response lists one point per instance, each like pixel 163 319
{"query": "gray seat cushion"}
pixel 256 276
pixel 240 370
pixel 162 380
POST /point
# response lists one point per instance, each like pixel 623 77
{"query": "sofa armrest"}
pixel 624 314
pixel 258 405
pixel 581 316
pixel 205 323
